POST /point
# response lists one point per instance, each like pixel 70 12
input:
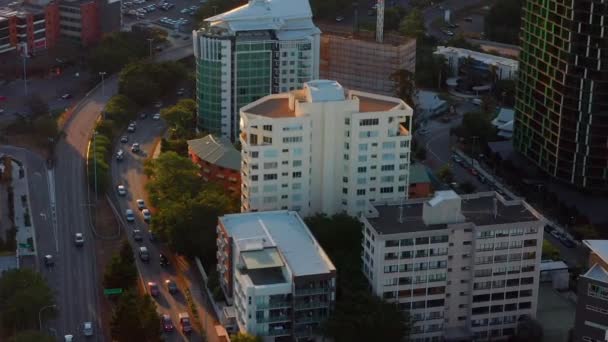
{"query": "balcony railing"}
pixel 274 305
pixel 311 305
pixel 274 319
pixel 277 332
pixel 313 291
pixel 309 319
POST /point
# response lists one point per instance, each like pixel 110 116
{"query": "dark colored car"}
pixel 567 243
pixel 171 286
pixel 548 229
pixel 184 320
pixel 153 288
pixel 164 261
pixel 167 323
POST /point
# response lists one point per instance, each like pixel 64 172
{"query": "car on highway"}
pixel 143 116
pixel 158 104
pixel 124 139
pixel 181 91
pixel 171 286
pixel 66 96
pixel 129 215
pixel 473 171
pixel 140 204
pixel 339 18
pixel 78 239
pixel 137 236
pixel 144 255
pixel 167 323
pixel 48 260
pixel 68 338
pixel 184 321
pixel 87 329
pixel 146 214
pixel 548 228
pixel 131 128
pixel 153 289
pixel 120 155
pixel 423 131
pixel 122 191
pixel 151 236
pixel 156 116
pixel 457 158
pixel 163 260
pixel 557 234
pixel 567 242
pixel 135 148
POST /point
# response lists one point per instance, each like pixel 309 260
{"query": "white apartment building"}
pixel 324 149
pixel 466 268
pixel 263 47
pixel 281 282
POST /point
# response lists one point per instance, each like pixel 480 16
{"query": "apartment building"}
pixel 279 279
pixel 465 267
pixel 28 26
pixel 260 48
pixel 219 161
pixel 591 324
pixel 324 149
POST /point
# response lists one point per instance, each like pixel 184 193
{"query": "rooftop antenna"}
pixel 380 21
pixel 401 211
pixel 495 207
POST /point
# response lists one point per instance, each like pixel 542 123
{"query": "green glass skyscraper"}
pixel 561 121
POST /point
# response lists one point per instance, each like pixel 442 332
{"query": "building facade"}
pixel 561 115
pixel 242 55
pixel 466 268
pixel 591 322
pixel 279 279
pixel 80 21
pixel 505 68
pixel 29 27
pixel 358 61
pixel 218 161
pixel 324 150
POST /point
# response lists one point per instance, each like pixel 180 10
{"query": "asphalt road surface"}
pixel 431 14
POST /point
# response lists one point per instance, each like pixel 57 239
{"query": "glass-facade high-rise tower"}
pixel 260 48
pixel 561 121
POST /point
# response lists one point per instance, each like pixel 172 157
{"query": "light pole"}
pixel 473 149
pixel 150 44
pixel 40 314
pixel 103 89
pixel 24 55
pixel 95 161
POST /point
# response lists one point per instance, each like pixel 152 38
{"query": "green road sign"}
pixel 108 292
pixel 25 245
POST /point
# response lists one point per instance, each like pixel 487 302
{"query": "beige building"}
pixel 466 268
pixel 357 61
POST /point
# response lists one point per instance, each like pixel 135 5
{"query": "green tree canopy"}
pixel 31 336
pixel 503 21
pixel 413 24
pixel 550 251
pixel 404 85
pixel 181 118
pixel 117 50
pixel 121 272
pixel 23 292
pixel 445 174
pixel 244 337
pixel 172 177
pixel 135 319
pixel 476 124
pixel 145 82
pixel 120 109
pixel 37 105
pixel 393 17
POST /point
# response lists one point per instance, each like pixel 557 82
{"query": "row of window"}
pixel 512 269
pixel 506 232
pixel 419 266
pixel 489 246
pixel 274 176
pixel 272 153
pixel 421 253
pixel 385 145
pixel 494 321
pixel 493 333
pixel 416 241
pixel 274 165
pixel 501 296
pixel 597 291
pixel 419 279
pixel 497 284
pixel 500 308
pixel 489 259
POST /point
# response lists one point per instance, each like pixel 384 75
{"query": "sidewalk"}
pixel 26 243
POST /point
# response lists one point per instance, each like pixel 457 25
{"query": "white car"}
pixel 122 191
pixel 140 204
pixel 78 239
pixel 146 214
pixel 68 338
pixel 87 329
pixel 129 215
pixel 156 116
pixel 135 147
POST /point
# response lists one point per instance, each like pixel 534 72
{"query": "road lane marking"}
pixel 51 178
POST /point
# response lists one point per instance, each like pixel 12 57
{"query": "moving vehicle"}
pixel 339 18
pixel 137 236
pixel 468 19
pixel 456 158
pixel 48 260
pixel 135 148
pixel 166 322
pixel 122 191
pixel 184 321
pixel 567 243
pixel 68 338
pixel 164 261
pixel 66 96
pixel 87 329
pixel 171 286
pixel 144 255
pixel 131 128
pixel 140 204
pixel 78 239
pixel 156 116
pixel 557 234
pixel 129 215
pixel 146 214
pixel 124 139
pixel 120 155
pixel 153 289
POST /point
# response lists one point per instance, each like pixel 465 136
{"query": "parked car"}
pixel 171 286
pixel 122 191
pixel 473 171
pixel 78 239
pixel 153 289
pixel 184 321
pixel 129 215
pixel 557 234
pixel 87 329
pixel 167 323
pixel 144 255
pixel 548 228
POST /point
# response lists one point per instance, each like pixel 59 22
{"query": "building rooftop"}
pixel 370 104
pixel 346 32
pixel 599 247
pixel 276 107
pixel 279 15
pixel 550 265
pixel 476 208
pixel 323 90
pixel 478 56
pixel 418 174
pixel 217 151
pixel 285 230
pixel 598 273
pixel 265 276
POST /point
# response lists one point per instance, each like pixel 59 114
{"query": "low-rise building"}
pixel 504 122
pixel 219 161
pixel 324 149
pixel 420 182
pixel 429 104
pixel 465 267
pixel 505 68
pixel 279 279
pixel 592 300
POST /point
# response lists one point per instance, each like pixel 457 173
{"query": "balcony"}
pixel 311 305
pixel 277 332
pixel 274 319
pixel 273 305
pixel 313 291
pixel 309 319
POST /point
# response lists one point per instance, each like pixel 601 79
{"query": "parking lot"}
pixel 176 16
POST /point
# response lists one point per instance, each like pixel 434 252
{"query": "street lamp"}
pixel 150 43
pixel 24 55
pixel 103 89
pixel 40 314
pixel 474 138
pixel 95 161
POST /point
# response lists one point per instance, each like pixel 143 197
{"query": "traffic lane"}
pixel 573 257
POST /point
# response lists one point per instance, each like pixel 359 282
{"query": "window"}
pixel 297 163
pixel 389 167
pixel 270 176
pixel 297 174
pixel 270 165
pixel 390 269
pixel 271 153
pixel 362 169
pixel 267 128
pixel 439 239
pixel 254 178
pixel 391 243
pixel 267 140
pixel 388 156
pixel 386 190
pixel 288 140
pixel 369 122
pixel 422 240
pixel 387 179
pixel 388 145
pixel 362 147
pixel 360 192
pixel 368 134
pixel 254 154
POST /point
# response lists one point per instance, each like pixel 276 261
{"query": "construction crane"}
pixel 380 21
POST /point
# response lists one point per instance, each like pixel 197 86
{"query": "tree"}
pixel 245 337
pixel 488 104
pixel 392 17
pixel 120 109
pixel 445 174
pixel 135 318
pixel 550 251
pixel 145 82
pixel 528 330
pixel 37 105
pixel 23 292
pixel 586 231
pixel 460 41
pixel 121 272
pixel 404 85
pixel 503 21
pixel 117 50
pixel 476 124
pixel 181 118
pixel 413 24
pixel 172 177
pixel 31 336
